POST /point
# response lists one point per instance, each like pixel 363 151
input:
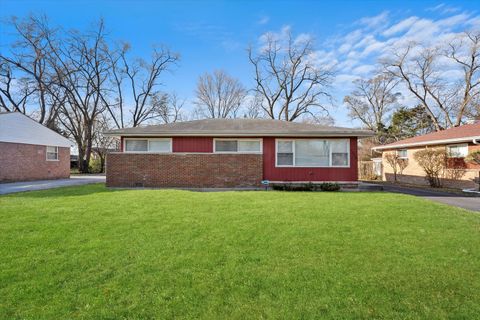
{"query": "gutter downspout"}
pixel 476 140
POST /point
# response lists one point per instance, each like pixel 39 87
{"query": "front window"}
pixel 402 154
pixel 457 151
pixel 238 145
pixel 148 145
pixel 313 153
pixel 52 153
pixel 285 153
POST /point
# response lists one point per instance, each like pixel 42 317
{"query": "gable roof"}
pixel 16 127
pixel 465 133
pixel 239 128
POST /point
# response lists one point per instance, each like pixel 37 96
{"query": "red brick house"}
pixel 458 142
pixel 232 153
pixel 30 151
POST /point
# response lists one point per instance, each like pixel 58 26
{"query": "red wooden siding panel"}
pixel 192 144
pixel 272 173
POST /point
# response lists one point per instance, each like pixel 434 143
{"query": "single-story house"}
pixel 30 151
pixel 458 143
pixel 232 153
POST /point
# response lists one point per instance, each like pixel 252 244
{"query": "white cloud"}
pixel 375 21
pixel 443 8
pixel 355 53
pixel 263 20
pixel 400 27
pixel 358 50
pixel 364 69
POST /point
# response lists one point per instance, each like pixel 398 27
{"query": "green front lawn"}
pixel 90 252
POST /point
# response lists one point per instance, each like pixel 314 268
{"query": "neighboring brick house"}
pixel 458 143
pixel 232 153
pixel 30 151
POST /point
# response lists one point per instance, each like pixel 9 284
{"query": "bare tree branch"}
pixel 219 95
pixel 290 82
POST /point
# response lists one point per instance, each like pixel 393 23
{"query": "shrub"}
pixel 396 163
pixel 434 163
pixel 327 186
pixel 474 157
pixel 95 166
pixel 306 187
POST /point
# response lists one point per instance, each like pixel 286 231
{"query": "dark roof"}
pixel 464 133
pixel 238 128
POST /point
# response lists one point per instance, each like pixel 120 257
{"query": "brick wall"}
pixel 23 162
pixel 193 170
pixel 464 176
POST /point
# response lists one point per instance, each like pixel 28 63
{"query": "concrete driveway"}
pixel 49 184
pixel 456 200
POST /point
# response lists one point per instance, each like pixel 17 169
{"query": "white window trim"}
pixel 56 151
pixel 456 145
pixel 148 145
pixel 329 156
pixel 237 152
pixel 398 153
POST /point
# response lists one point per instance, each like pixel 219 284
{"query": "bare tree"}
pixel 80 73
pixel 27 63
pixel 219 95
pixel 372 101
pixel 420 68
pixel 466 53
pixel 288 78
pixel 170 108
pixel 138 80
pixel 102 144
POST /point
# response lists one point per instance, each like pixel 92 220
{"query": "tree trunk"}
pixel 81 162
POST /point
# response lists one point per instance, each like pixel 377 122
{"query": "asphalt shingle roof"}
pixel 466 133
pixel 239 127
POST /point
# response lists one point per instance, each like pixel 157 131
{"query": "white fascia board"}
pixel 427 143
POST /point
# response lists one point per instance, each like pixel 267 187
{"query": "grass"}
pixel 90 252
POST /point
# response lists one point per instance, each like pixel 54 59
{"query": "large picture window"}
pixel 148 145
pixel 238 145
pixel 313 153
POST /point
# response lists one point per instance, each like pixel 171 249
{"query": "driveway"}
pixel 456 200
pixel 49 184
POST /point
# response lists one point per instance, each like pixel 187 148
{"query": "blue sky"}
pixel 213 35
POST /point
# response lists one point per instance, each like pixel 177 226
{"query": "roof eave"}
pixel 426 143
pixel 360 134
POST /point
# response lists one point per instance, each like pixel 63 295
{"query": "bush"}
pixel 95 166
pixel 306 187
pixel 329 186
pixel 434 163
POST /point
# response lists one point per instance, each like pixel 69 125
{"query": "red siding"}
pixel 272 173
pixel 192 144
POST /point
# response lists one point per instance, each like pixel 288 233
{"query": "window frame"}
pixel 56 152
pixel 329 154
pixel 238 140
pixel 148 145
pixel 398 153
pixel 457 145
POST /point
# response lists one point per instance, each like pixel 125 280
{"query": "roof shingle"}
pixel 462 133
pixel 239 127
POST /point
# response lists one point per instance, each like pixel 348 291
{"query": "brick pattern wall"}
pixel 466 174
pixel 193 170
pixel 24 162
